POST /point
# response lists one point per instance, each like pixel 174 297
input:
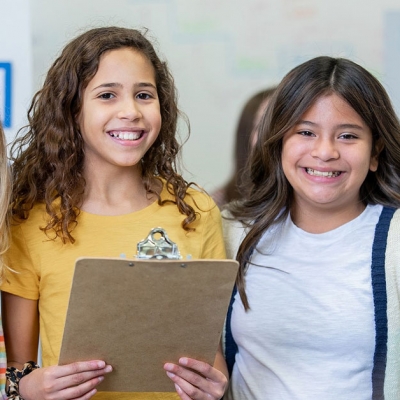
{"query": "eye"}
pixel 347 136
pixel 144 96
pixel 106 96
pixel 305 133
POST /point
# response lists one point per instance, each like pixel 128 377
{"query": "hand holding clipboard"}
pixel 146 312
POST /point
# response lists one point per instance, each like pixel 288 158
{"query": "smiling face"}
pixel 326 157
pixel 120 117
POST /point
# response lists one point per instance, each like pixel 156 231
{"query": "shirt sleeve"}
pixel 21 278
pixel 213 240
pixel 234 233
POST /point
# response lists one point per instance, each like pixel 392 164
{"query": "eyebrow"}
pixel 340 126
pixel 119 85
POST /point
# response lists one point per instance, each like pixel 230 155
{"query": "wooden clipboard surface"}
pixel 137 317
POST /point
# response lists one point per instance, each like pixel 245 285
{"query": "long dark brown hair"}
pixel 48 159
pixel 270 195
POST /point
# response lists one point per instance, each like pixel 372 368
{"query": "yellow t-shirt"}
pixel 46 266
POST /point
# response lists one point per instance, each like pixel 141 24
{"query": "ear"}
pixel 376 151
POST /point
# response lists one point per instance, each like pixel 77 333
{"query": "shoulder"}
pixel 219 196
pixel 394 228
pixel 387 236
pixel 388 222
pixel 195 197
pixel 208 216
pixel 37 217
pixel 234 232
pixel 200 199
pixel 392 279
pixel 26 234
pixel 395 222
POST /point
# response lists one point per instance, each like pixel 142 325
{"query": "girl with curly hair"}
pixel 94 172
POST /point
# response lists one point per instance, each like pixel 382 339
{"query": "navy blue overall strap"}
pixel 230 344
pixel 231 347
pixel 380 302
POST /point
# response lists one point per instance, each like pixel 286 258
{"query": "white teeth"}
pixel 127 135
pixel 330 174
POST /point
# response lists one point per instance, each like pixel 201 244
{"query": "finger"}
pixel 82 392
pixel 201 367
pixel 86 396
pixel 80 378
pixel 196 381
pixel 179 374
pixel 181 393
pixel 185 389
pixel 76 367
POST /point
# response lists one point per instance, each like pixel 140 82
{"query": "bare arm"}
pixel 21 335
pixel 21 329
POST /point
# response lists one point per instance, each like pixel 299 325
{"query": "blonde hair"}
pixel 5 194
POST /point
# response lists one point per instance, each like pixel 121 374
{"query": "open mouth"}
pixel 325 174
pixel 127 135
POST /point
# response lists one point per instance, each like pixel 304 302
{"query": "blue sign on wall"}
pixel 6 93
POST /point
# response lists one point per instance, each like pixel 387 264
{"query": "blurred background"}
pixel 220 52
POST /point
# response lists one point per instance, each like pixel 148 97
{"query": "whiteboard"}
pixel 223 51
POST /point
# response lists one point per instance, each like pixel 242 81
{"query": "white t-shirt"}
pixel 310 332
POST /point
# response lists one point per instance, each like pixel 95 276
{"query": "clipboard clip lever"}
pixel 157 246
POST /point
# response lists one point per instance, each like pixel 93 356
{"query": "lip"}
pixel 129 130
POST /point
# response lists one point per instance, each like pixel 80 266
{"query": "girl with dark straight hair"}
pixel 316 311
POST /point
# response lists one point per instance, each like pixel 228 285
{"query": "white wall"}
pixel 15 64
pixel 222 51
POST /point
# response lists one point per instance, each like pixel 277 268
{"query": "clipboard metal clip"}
pixel 158 246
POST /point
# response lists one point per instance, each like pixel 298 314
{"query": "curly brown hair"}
pixel 48 158
pixel 269 195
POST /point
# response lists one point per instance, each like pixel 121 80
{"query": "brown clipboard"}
pixel 138 314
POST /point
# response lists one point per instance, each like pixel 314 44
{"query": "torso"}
pixel 47 266
pixel 309 333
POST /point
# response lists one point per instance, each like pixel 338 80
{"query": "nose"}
pixel 129 109
pixel 325 149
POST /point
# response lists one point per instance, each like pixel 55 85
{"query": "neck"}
pixel 115 192
pixel 321 220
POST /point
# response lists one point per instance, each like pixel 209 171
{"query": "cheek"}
pixel 159 119
pixel 80 121
pixel 158 116
pixel 286 158
pixel 293 151
pixel 361 160
pixel 285 150
pixel 288 163
pixel 85 118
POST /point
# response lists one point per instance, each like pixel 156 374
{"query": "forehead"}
pixel 332 108
pixel 124 63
